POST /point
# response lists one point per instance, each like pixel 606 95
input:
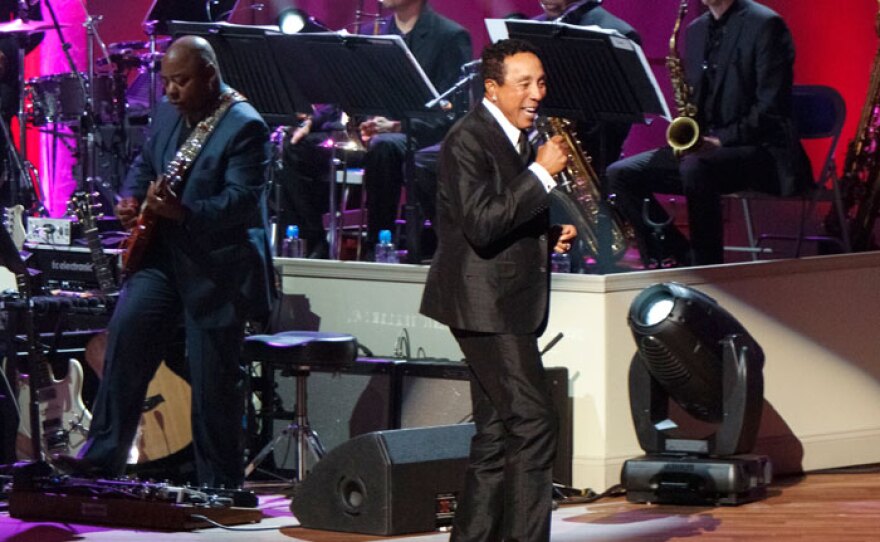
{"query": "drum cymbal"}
pixel 17 26
pixel 138 44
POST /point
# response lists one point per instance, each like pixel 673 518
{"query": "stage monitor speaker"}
pixel 438 393
pixel 387 482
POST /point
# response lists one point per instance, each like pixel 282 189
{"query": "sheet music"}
pixel 497 29
pixel 398 41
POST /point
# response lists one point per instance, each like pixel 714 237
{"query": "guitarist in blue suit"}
pixel 207 267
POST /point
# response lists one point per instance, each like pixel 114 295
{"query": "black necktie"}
pixel 523 147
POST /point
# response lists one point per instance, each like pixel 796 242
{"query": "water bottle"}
pixel 386 252
pixel 560 262
pixel 293 246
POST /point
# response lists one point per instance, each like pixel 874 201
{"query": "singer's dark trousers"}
pixel 508 494
pixel 702 177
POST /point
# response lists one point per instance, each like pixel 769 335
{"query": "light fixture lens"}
pixel 658 310
pixel 291 22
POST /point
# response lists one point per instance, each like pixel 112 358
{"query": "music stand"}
pixel 594 75
pixel 364 75
pixel 246 62
pixel 162 12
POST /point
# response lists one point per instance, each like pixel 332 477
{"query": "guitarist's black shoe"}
pixel 76 466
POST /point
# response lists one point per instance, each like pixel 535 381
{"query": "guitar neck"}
pixel 99 261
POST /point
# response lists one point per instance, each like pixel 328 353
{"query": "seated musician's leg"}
pixel 383 177
pixel 426 193
pixel 708 175
pixel 305 191
pixel 637 178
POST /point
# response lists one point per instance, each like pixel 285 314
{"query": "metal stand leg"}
pixel 299 431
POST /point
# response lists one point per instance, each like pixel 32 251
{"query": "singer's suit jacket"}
pixel 489 273
pixel 751 97
pixel 220 254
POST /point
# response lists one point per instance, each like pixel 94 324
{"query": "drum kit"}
pixel 110 100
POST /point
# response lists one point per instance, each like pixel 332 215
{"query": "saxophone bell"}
pixel 682 134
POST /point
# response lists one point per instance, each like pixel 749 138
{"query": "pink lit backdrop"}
pixel 835 42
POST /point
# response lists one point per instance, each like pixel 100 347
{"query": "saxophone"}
pixel 683 132
pixel 580 184
pixel 861 171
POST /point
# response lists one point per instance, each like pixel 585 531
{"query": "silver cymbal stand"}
pixel 87 119
pixel 90 163
pixel 150 29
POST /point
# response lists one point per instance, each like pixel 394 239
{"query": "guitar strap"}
pixel 195 142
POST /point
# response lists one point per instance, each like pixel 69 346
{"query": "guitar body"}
pixel 137 243
pixel 63 416
pixel 165 427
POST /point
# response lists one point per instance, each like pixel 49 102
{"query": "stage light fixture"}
pixel 295 21
pixel 692 352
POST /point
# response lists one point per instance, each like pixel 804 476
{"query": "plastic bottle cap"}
pixel 292 231
pixel 384 237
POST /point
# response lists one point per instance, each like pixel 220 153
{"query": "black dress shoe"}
pixel 76 466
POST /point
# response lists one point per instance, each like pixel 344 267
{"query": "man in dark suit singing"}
pixel 489 283
pixel 207 268
pixel 738 60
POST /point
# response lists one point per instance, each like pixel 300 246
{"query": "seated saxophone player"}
pixel 739 61
pixel 440 46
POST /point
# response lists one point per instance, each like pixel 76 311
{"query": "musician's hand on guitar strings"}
pixel 164 203
pixel 127 212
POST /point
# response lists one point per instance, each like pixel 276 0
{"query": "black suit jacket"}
pixel 489 273
pixel 591 13
pixel 751 98
pixel 440 46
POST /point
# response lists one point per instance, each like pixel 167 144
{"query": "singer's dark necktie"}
pixel 524 148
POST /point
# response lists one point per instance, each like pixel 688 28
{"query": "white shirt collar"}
pixel 511 131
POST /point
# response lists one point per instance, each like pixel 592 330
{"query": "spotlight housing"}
pixel 692 352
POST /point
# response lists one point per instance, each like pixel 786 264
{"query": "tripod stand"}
pixel 299 432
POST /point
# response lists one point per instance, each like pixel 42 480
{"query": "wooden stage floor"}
pixel 839 505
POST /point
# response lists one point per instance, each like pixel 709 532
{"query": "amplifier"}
pixel 51 231
pixel 69 268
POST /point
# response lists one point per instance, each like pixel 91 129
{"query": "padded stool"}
pixel 297 352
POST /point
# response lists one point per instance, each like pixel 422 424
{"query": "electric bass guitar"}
pixel 62 420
